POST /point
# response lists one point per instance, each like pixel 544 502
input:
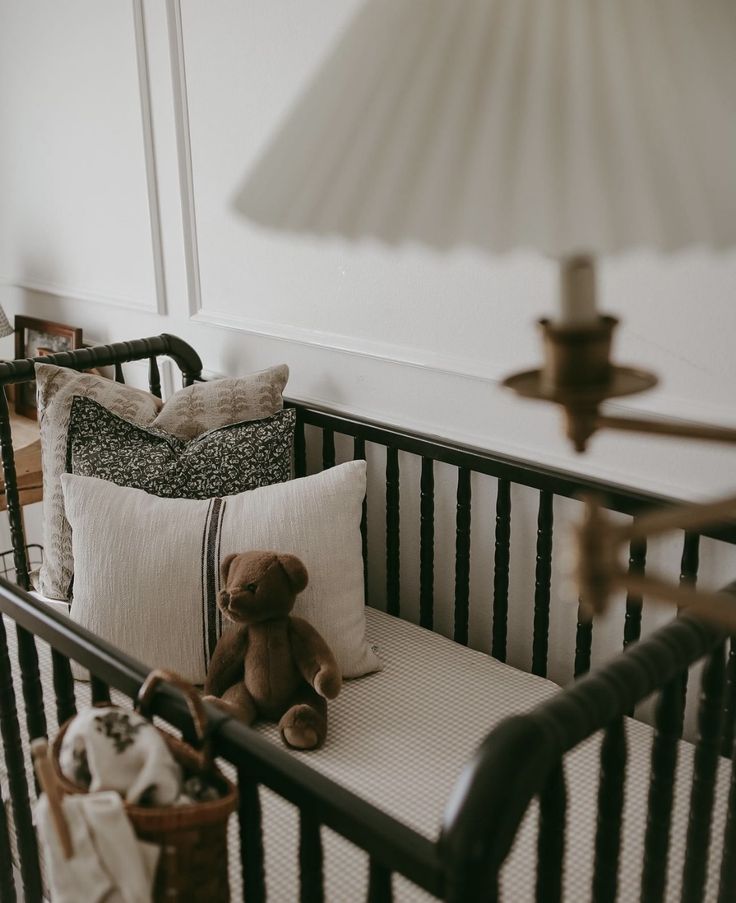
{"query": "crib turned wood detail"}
pixel 520 760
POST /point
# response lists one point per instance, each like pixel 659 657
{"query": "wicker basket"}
pixel 193 838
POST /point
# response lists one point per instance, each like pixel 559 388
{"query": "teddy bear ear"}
pixel 225 567
pixel 295 571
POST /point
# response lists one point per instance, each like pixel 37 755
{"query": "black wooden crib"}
pixel 519 766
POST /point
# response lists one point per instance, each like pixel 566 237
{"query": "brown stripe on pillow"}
pixel 203 581
pixel 218 559
pixel 211 565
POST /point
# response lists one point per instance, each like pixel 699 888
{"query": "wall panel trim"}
pixel 58 290
pixel 184 153
pixel 154 208
pixel 104 296
pixel 660 404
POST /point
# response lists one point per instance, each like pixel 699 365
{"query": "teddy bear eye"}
pixel 251 587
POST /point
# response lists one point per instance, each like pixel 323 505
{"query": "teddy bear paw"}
pixel 327 683
pixel 303 728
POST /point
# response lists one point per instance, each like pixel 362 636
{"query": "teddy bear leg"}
pixel 237 701
pixel 304 724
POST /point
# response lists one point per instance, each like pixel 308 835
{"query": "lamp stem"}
pixel 577 291
pixel 718 608
pixel 692 516
pixel 683 429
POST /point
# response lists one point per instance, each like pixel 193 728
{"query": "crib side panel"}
pixel 446 552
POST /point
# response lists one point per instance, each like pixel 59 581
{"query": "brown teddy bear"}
pixel 272 665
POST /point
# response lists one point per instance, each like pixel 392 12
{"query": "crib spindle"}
pixel 380 888
pixel 501 570
pixel 12 497
pixel 311 879
pixel 551 837
pixel 300 448
pixel 328 449
pixel 31 683
pixel 583 643
pixel 426 545
pixel 704 775
pixel 100 690
pixel 729 713
pixel 393 605
pixel 542 584
pixel 668 728
pixel 154 377
pixel 688 577
pixel 66 704
pixel 727 879
pixel 634 602
pixel 17 781
pixel 359 455
pixel 7 884
pixel 462 557
pixel 119 375
pixel 610 809
pixel 690 559
pixel 251 839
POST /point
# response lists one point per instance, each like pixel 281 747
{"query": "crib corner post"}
pixel 487 806
pixel 15 512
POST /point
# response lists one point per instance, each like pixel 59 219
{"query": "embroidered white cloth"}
pixel 108 748
pixel 108 863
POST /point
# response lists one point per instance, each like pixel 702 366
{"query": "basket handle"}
pixel 194 701
pixel 54 794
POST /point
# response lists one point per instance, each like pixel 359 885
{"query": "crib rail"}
pixel 399 446
pixel 392 846
pixel 522 759
pixel 22 370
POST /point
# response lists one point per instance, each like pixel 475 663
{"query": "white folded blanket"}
pixel 113 749
pixel 108 863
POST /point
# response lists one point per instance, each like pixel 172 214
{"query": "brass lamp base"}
pixel 578 375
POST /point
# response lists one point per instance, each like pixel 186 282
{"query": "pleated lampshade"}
pixel 564 126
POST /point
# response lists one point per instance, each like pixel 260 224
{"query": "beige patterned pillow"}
pixel 209 405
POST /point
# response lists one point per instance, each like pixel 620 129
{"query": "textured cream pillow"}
pixel 186 414
pixel 207 406
pixel 147 568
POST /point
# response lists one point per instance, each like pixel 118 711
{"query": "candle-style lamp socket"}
pixel 577 372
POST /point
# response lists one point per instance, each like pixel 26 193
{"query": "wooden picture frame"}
pixel 36 338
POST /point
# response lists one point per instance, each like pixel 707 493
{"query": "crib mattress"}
pixel 400 738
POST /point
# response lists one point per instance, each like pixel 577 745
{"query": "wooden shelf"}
pixel 27 449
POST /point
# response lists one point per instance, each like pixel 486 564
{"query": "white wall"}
pixel 125 131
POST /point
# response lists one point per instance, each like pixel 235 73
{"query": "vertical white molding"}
pixel 154 208
pixel 184 153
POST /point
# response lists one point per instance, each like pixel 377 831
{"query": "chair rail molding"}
pixel 661 404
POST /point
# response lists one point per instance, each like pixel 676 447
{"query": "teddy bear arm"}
pixel 314 658
pixel 227 663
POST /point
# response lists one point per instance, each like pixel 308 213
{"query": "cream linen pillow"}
pixel 200 407
pixel 147 568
